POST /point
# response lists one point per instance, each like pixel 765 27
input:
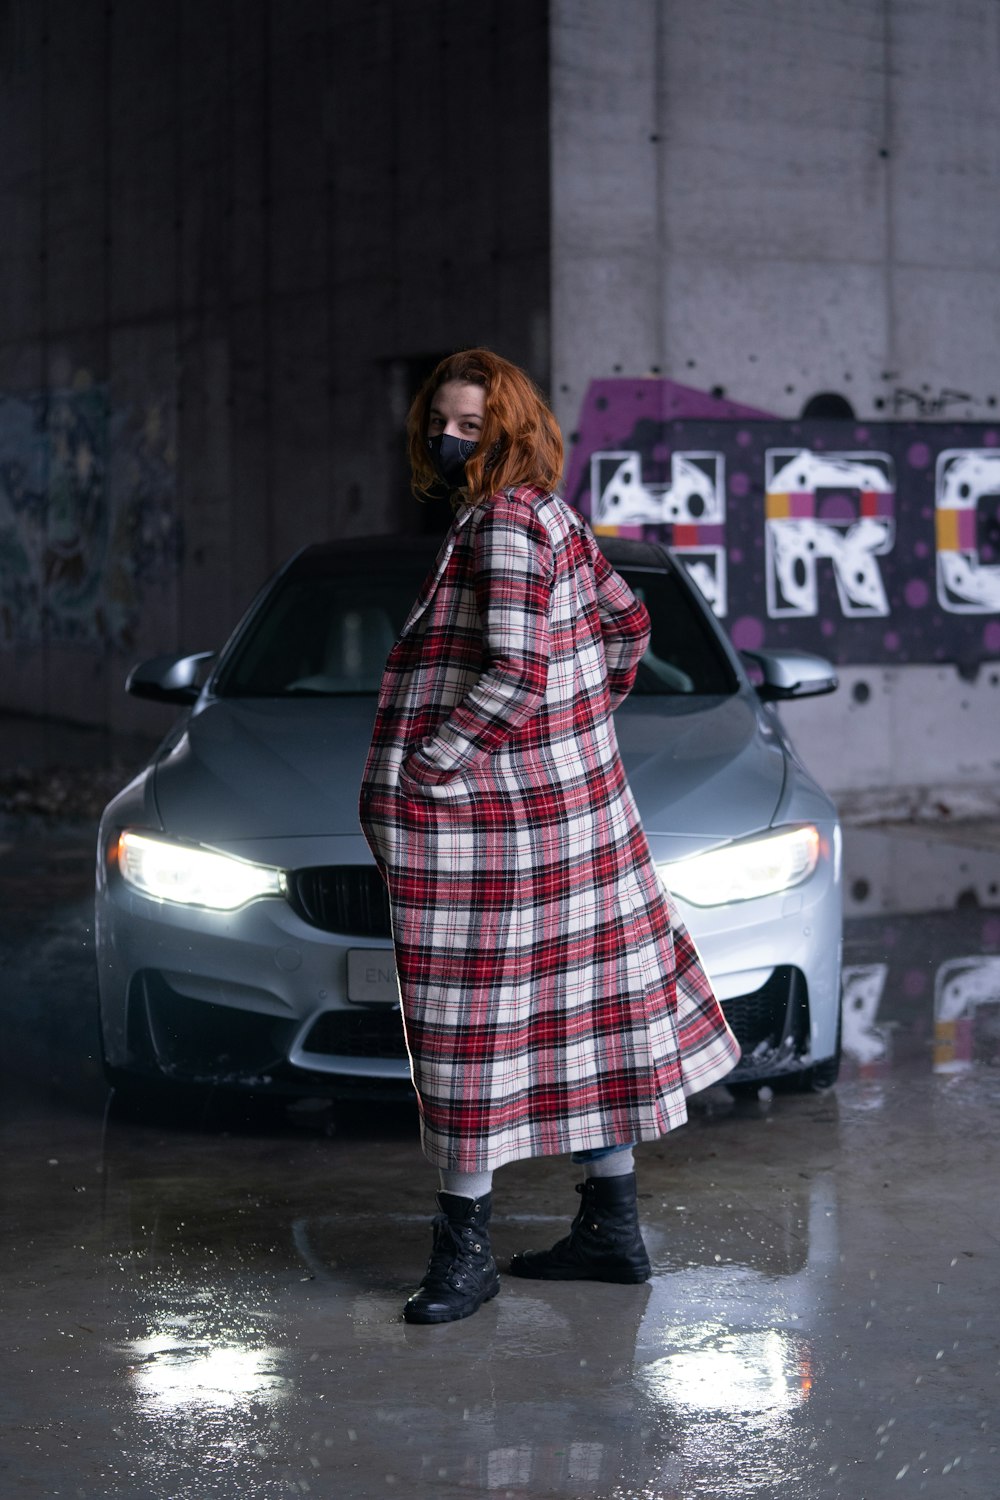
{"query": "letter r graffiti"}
pixel 837 507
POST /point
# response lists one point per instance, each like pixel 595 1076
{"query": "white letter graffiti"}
pixel 964 477
pixel 694 499
pixel 797 540
pixel 695 495
pixel 863 985
pixel 962 986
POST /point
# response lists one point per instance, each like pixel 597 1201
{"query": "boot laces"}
pixel 455 1247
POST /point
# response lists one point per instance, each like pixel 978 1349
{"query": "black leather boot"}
pixel 604 1242
pixel 461 1273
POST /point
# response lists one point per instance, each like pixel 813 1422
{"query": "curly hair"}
pixel 520 442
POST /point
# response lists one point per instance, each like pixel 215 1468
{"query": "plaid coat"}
pixel 552 998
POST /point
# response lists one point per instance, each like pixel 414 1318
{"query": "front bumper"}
pixel 775 966
pixel 258 998
pixel 234 998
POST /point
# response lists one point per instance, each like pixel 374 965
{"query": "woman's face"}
pixel 457 410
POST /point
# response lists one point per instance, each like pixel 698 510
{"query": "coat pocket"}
pixel 455 790
pixel 417 778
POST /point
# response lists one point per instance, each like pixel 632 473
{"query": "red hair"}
pixel 520 442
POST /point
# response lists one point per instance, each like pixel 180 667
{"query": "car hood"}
pixel 701 769
pixel 273 768
pixel 706 769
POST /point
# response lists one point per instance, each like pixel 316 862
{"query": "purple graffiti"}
pixel 874 542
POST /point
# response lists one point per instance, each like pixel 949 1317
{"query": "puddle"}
pixel 921 951
pixel 911 869
pixel 179 1370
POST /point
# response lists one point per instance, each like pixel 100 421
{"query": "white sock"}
pixel 465 1184
pixel 616 1164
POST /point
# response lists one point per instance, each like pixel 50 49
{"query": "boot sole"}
pixel 416 1316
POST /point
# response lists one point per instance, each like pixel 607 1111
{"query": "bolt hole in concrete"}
pixel 202 1295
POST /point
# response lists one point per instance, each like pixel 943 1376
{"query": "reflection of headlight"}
pixel 191 876
pixel 741 1374
pixel 745 870
pixel 181 1371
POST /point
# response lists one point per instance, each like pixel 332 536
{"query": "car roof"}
pixel 400 548
pixel 626 552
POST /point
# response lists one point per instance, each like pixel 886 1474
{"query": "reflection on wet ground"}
pixel 921 949
pixel 206 1302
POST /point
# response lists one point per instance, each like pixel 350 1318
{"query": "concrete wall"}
pixel 233 235
pixel 778 198
pixel 231 238
pixel 910 741
pixel 771 199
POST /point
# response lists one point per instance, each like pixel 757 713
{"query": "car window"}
pixel 320 636
pixel 684 654
pixel 328 635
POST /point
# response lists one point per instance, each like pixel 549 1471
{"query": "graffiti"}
pixel 863 1038
pixel 966 992
pixel 967 479
pixel 930 406
pixel 922 989
pixel 75 550
pixel 795 547
pixel 864 542
pixel 693 504
pixel 797 487
pixel 696 493
pixel 966 1013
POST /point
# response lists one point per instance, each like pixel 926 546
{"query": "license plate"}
pixel 371 976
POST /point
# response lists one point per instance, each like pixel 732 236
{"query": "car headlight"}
pixel 747 869
pixel 169 871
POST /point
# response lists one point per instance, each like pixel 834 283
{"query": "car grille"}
pixel 342 898
pixel 771 1024
pixel 365 1033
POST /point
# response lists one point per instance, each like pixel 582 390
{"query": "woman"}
pixel 551 998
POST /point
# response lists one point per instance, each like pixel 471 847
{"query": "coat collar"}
pixel 430 584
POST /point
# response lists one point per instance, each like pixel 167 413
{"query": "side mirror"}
pixel 791 674
pixel 168 679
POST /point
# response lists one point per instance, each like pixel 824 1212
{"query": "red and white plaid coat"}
pixel 552 998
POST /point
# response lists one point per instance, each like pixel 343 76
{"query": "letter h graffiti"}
pixel 690 510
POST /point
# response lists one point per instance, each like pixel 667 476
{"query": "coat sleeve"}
pixel 512 576
pixel 624 627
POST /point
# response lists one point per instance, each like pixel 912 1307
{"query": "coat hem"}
pixel 625 1137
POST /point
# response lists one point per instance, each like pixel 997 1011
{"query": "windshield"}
pixel 684 653
pixel 320 635
pixel 329 636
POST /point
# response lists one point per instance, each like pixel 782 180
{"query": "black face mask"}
pixel 448 455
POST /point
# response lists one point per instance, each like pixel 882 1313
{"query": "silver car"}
pixel 243 932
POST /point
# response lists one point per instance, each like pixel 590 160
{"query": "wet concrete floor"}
pixel 206 1302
